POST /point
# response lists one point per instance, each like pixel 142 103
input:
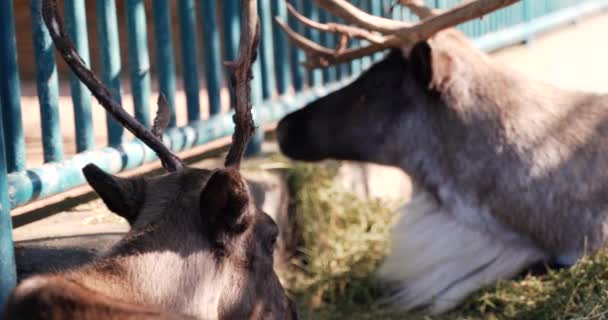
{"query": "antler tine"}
pixel 241 80
pixel 66 48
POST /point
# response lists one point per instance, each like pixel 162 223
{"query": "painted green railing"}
pixel 280 86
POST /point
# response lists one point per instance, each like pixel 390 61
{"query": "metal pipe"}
pixel 76 24
pixel 10 92
pixel 47 85
pixel 187 23
pixel 107 29
pixel 139 61
pixel 164 53
pixel 212 55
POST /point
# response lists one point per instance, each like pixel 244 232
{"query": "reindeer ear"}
pixel 224 204
pixel 123 196
pixel 432 68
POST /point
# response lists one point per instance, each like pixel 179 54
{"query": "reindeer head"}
pixel 426 76
pixel 400 96
pixel 224 242
pixel 209 219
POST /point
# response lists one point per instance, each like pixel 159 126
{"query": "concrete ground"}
pixel 570 57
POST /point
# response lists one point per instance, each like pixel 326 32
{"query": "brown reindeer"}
pixel 198 247
pixel 510 171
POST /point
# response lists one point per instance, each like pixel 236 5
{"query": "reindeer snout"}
pixel 282 132
pixel 290 136
pixel 295 139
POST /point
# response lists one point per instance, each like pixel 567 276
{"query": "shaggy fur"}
pixel 436 260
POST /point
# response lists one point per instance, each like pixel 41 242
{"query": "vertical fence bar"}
pixel 296 54
pixel 139 61
pixel 280 49
pixel 315 76
pixel 187 24
pixel 107 28
pixel 528 10
pixel 10 92
pixel 164 53
pixel 367 60
pixel 8 274
pixel 327 40
pixel 231 24
pixel 48 86
pixel 231 28
pixel 344 67
pixel 266 56
pixel 213 53
pixel 355 65
pixel 76 23
pixel 376 7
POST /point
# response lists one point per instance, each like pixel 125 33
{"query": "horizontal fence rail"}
pixel 208 33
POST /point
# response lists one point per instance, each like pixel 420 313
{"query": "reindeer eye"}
pixel 271 241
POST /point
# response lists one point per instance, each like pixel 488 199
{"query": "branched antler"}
pixel 66 48
pixel 381 33
pixel 241 80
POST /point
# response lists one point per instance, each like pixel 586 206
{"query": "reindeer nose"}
pixel 282 130
pixel 296 139
pixel 292 136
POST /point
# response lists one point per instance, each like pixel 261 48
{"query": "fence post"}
pixel 213 55
pixel 48 86
pixel 281 48
pixel 76 23
pixel 528 15
pixel 139 61
pixel 297 55
pixel 355 65
pixel 327 40
pixel 10 92
pixel 315 76
pixel 187 24
pixel 107 29
pixel 266 56
pixel 164 54
pixel 8 272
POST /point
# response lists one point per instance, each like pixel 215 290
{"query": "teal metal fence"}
pixel 281 84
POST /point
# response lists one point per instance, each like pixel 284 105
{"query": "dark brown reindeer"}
pixel 510 172
pixel 198 247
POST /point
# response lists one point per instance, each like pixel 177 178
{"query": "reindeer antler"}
pixel 241 80
pixel 66 48
pixel 382 33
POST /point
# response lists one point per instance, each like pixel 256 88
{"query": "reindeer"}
pixel 509 171
pixel 198 247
